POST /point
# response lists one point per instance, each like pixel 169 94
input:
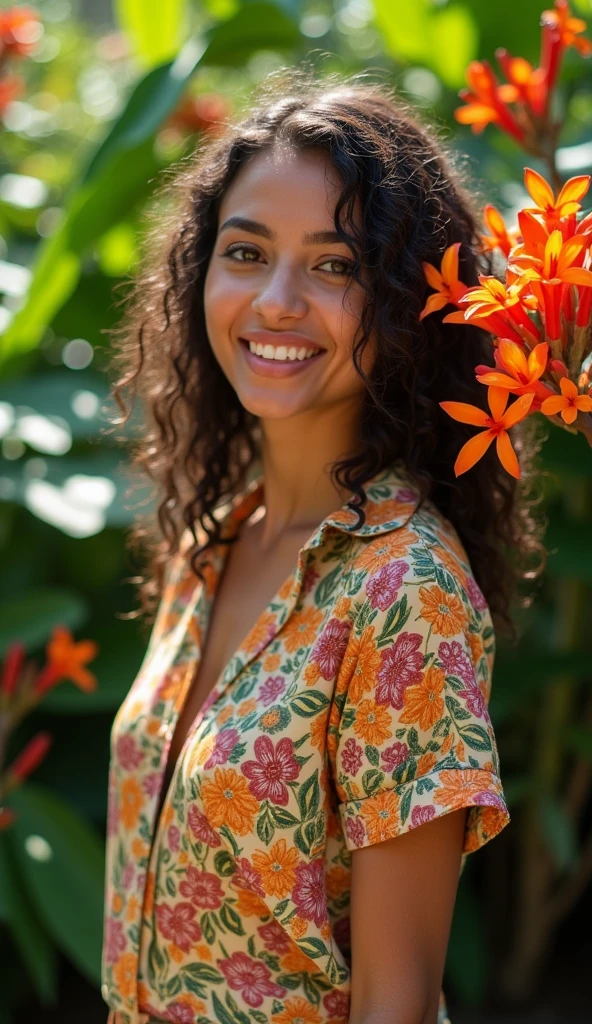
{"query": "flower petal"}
pixel 583 403
pixel 465 413
pixel 518 410
pixel 537 361
pixel 513 358
pixel 574 189
pixel 569 414
pixel 551 406
pixel 506 454
pixel 500 380
pixel 568 388
pixel 450 263
pixel 472 451
pixel 498 400
pixel 433 276
pixel 539 190
pixel 435 301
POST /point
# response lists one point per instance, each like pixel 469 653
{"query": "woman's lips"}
pixel 276 367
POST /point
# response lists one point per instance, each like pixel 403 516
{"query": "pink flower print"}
pixel 489 799
pixel 309 579
pixel 330 647
pixel 226 741
pixel 115 941
pixel 178 924
pixel 271 689
pixel 275 938
pixel 128 754
pixel 128 875
pixel 201 828
pixel 394 756
pixel 456 661
pixel 351 757
pixel 246 877
pixel 475 595
pixel 202 888
pixel 250 977
pixel 174 837
pixel 401 667
pixel 475 701
pixel 419 815
pixel 356 831
pixel 180 1013
pixel 272 769
pixel 336 1004
pixel 383 585
pixel 152 783
pixel 141 878
pixel 309 895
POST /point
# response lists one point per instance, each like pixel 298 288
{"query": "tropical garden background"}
pixel 97 101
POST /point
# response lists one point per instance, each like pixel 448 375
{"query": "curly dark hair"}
pixel 198 444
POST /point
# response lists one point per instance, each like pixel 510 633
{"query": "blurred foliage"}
pixel 82 149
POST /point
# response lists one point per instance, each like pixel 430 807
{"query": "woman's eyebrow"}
pixel 256 228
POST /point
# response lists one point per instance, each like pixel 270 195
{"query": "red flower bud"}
pixel 29 758
pixel 13 662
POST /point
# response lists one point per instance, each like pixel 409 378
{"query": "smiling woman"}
pixel 305 757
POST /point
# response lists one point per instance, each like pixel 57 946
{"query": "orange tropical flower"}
pixel 448 288
pixel 381 816
pixel 444 611
pixel 567 28
pixel 381 552
pixel 132 801
pixel 486 101
pixel 546 204
pixel 424 704
pixel 360 666
pixel 277 867
pixel 547 276
pixel 318 731
pixel 297 1011
pixel 569 403
pixel 496 426
pixel 262 629
pixel 500 237
pixel 249 904
pixel 529 83
pixel 493 297
pixel 521 374
pixel 301 629
pixel 67 659
pixel 372 722
pixel 228 801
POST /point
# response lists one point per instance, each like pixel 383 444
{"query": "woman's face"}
pixel 275 288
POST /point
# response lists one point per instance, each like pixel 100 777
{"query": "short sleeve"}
pixel 410 737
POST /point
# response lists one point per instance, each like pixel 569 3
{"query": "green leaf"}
pixel 453 39
pixel 231 919
pixel 396 618
pixel 255 26
pixel 475 737
pixel 308 797
pixel 224 864
pixel 265 826
pixel 154 28
pixel 30 618
pixel 372 781
pixel 30 937
pixel 203 972
pixel 309 703
pixel 283 818
pixel 313 947
pixel 63 868
pixel 559 832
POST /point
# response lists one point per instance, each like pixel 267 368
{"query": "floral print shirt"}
pixel 355 709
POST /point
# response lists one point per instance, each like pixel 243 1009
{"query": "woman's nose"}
pixel 280 295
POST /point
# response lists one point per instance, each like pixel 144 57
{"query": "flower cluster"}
pixel 22 687
pixel 20 31
pixel 539 316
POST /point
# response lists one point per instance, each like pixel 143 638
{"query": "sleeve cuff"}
pixel 392 812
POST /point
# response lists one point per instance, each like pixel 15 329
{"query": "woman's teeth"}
pixel 281 352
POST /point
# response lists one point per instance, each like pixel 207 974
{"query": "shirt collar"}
pixel 391 499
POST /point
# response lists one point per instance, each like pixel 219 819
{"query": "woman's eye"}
pixel 232 249
pixel 344 266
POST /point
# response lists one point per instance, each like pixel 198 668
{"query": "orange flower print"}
pixel 312 673
pixel 338 880
pixel 271 662
pixel 301 629
pixel 456 786
pixel 297 962
pixel 132 802
pixel 227 801
pixel 298 927
pixel 318 731
pixel 249 904
pixel 425 763
pixel 247 707
pixel 297 1011
pixel 475 642
pixel 372 722
pixel 452 564
pixel 261 633
pixel 360 666
pixel 342 607
pixel 444 611
pixel 286 587
pixel 424 705
pixel 225 715
pixel 383 550
pixel 125 972
pixel 381 816
pixel 378 512
pixel 277 867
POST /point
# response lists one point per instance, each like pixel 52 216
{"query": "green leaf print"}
pixel 223 1016
pixel 203 973
pixel 372 781
pixel 327 585
pixel 224 864
pixel 258 1016
pixel 308 797
pixel 283 818
pixel 423 563
pixel 475 737
pixel 456 709
pixel 372 755
pixel 309 703
pixel 395 620
pixel 232 1006
pixel 207 928
pixel 265 826
pixel 406 805
pixel 174 986
pixel 445 580
pixel 171 887
pixel 231 919
pixel 291 981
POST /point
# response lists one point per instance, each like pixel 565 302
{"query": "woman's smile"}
pixel 279 353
